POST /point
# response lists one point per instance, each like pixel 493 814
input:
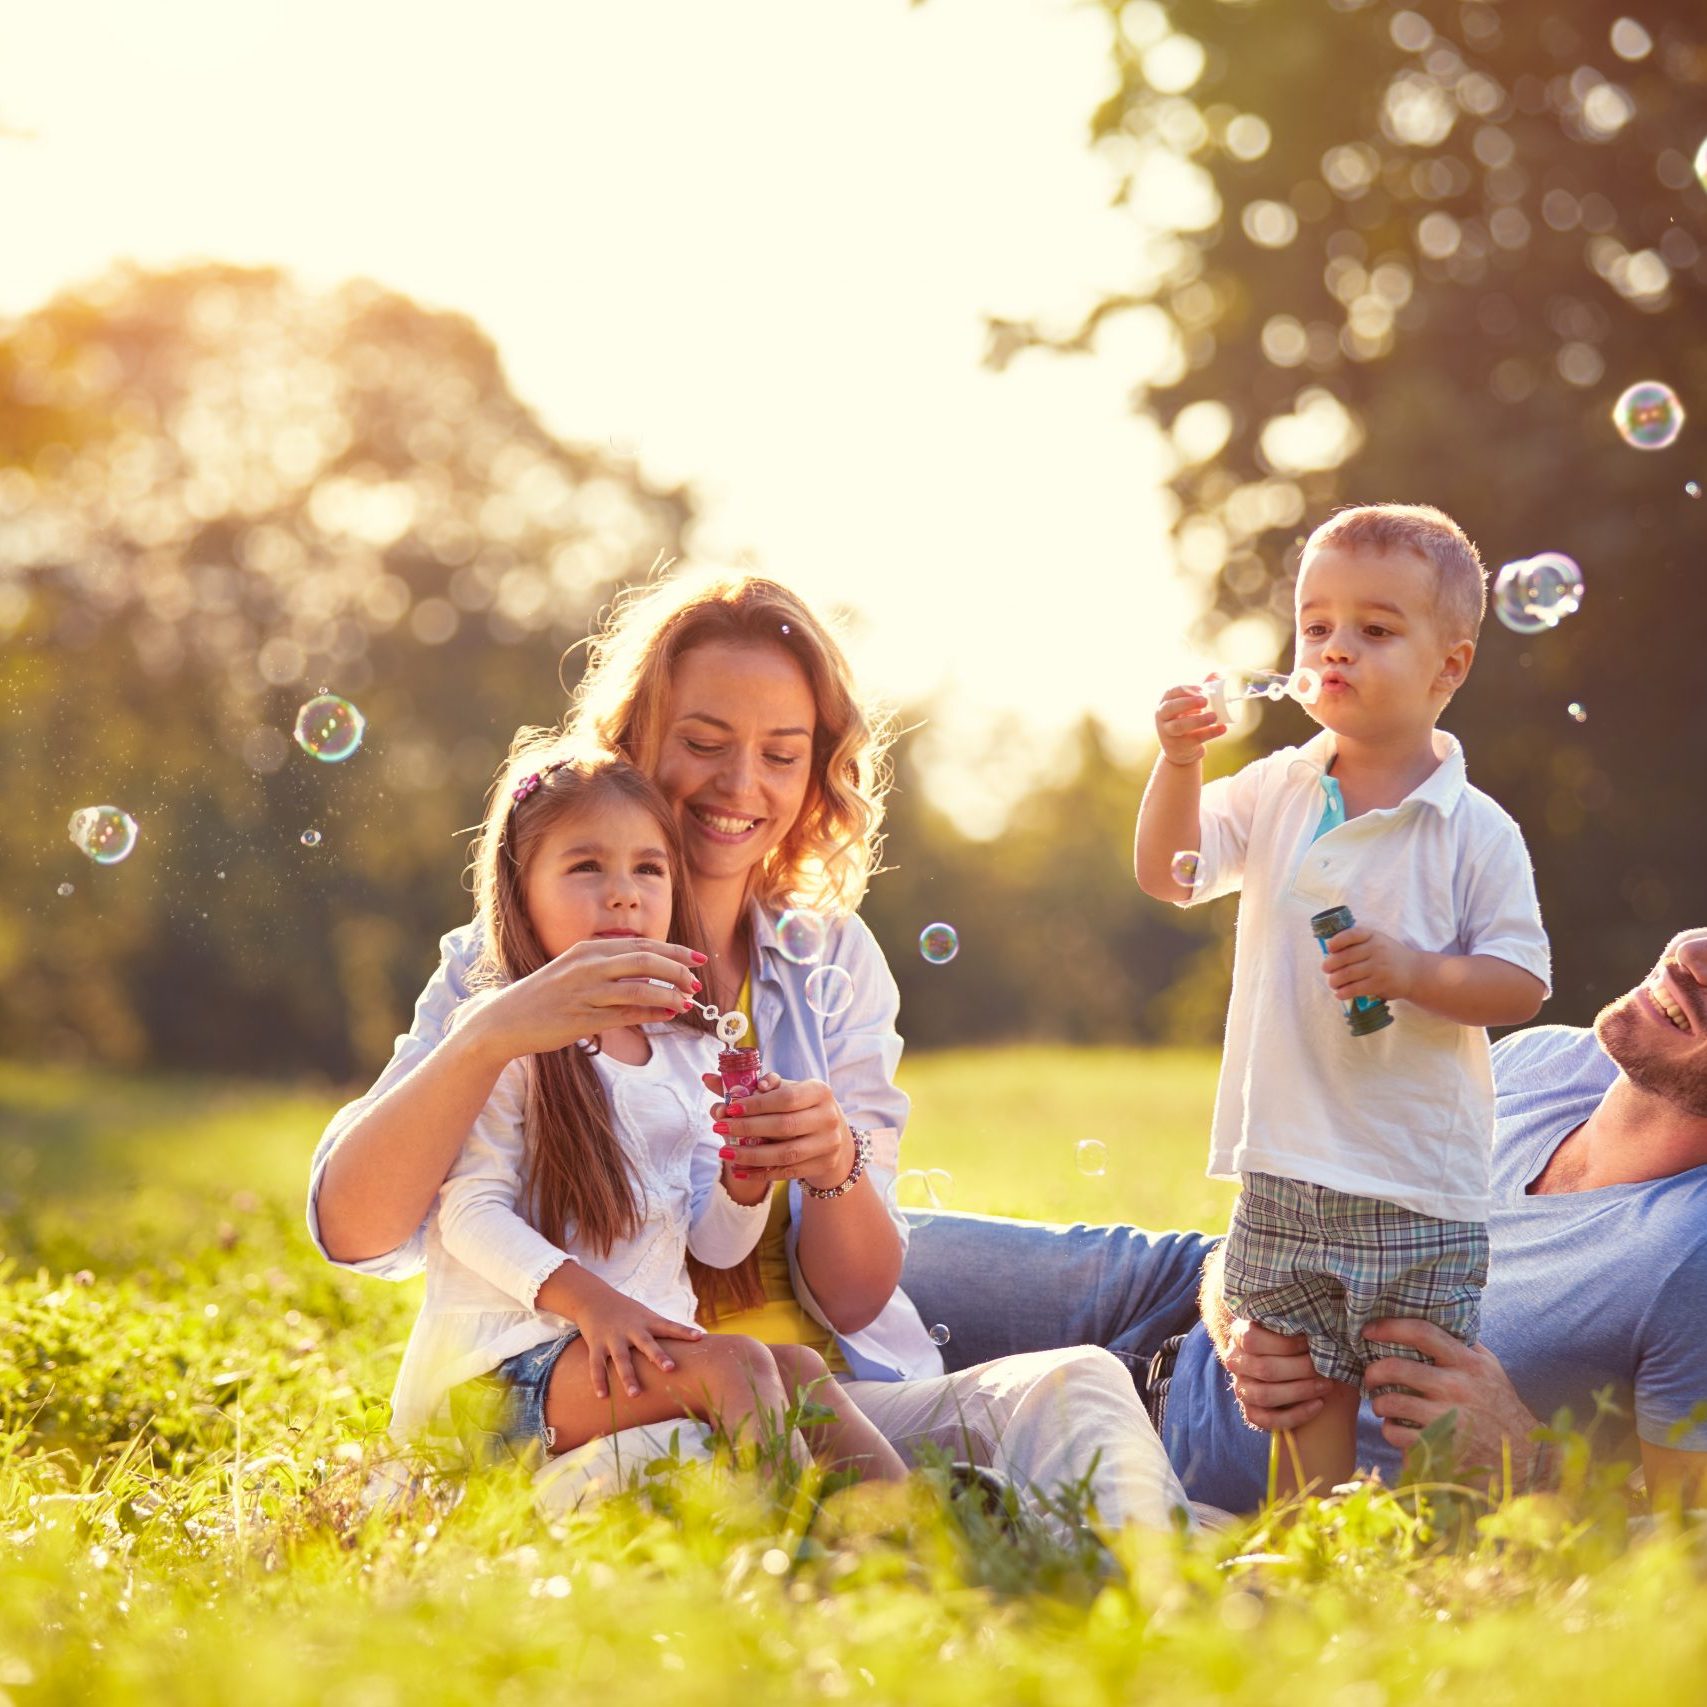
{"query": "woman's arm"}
pixel 390 1151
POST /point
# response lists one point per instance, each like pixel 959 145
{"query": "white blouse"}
pixel 486 1264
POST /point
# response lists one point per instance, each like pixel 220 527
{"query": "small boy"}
pixel 1363 1158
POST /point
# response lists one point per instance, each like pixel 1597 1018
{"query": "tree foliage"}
pixel 1415 253
pixel 220 492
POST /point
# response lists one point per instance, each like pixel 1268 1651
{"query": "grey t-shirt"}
pixel 1586 1290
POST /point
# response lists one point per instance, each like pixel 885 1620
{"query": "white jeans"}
pixel 1039 1418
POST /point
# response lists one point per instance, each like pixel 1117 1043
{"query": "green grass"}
pixel 190 1401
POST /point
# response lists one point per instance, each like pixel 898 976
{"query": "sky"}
pixel 752 244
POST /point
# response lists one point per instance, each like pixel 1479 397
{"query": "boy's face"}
pixel 1366 623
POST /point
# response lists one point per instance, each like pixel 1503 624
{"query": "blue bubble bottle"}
pixel 1363 1014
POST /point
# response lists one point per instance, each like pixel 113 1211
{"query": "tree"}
pixel 218 493
pixel 1417 253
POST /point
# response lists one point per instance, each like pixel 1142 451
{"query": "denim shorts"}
pixel 500 1416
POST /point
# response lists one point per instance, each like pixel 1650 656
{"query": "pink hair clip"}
pixel 529 784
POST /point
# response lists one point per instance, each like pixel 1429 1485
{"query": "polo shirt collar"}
pixel 1441 789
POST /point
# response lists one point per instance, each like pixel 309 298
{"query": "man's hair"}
pixel 1460 581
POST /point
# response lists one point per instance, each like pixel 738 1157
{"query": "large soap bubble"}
pixel 939 943
pixel 800 935
pixel 329 728
pixel 106 834
pixel 828 990
pixel 1537 593
pixel 1648 415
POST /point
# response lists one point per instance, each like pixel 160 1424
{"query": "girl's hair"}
pixel 620 705
pixel 576 1174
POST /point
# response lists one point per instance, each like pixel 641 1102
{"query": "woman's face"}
pixel 736 758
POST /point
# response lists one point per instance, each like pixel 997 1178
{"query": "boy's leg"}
pixel 726 1379
pixel 1002 1286
pixel 1324 1450
pixel 852 1441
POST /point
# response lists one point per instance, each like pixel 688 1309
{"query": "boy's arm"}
pixel 1168 818
pixel 1473 989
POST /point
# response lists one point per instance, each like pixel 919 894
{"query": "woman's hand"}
pixel 592 987
pixel 788 1129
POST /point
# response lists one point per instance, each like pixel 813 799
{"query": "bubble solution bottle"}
pixel 740 1070
pixel 1363 1014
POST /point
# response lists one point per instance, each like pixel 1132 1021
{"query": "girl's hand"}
pixel 615 1327
pixel 1184 723
pixel 592 987
pixel 1362 962
pixel 795 1125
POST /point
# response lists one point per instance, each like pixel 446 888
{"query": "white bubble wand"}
pixel 1303 685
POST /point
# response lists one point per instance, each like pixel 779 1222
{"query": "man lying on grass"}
pixel 1598 1278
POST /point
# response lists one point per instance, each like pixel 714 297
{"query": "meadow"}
pixel 191 1404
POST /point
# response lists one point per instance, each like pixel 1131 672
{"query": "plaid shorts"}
pixel 1305 1259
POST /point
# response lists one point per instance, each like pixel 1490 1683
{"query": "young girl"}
pixel 557 1249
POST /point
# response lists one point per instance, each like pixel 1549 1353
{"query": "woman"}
pixel 734 698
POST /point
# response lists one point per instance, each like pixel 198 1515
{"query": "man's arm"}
pixel 1467 1379
pixel 1674 1477
pixel 1274 1380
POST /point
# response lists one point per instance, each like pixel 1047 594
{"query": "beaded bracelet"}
pixel 862 1155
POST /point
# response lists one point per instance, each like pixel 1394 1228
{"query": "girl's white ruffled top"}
pixel 486 1264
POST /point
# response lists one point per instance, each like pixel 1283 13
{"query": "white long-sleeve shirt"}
pixel 486 1263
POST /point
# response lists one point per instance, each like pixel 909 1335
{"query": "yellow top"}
pixel 779 1320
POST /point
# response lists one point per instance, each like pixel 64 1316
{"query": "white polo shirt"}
pixel 1407 1113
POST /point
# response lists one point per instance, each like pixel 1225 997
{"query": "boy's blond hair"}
pixel 1461 593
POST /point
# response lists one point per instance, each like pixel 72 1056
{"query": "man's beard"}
pixel 1681 1083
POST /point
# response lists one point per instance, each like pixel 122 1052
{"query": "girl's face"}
pixel 603 872
pixel 736 759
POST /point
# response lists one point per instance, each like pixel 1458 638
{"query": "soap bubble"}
pixel 67 889
pixel 106 834
pixel 1578 714
pixel 1187 868
pixel 800 935
pixel 1536 593
pixel 310 838
pixel 1092 1156
pixel 1693 488
pixel 939 943
pixel 1648 415
pixel 922 1188
pixel 828 990
pixel 939 1335
pixel 329 728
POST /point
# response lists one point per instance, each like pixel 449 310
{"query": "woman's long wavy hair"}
pixel 621 704
pixel 577 1176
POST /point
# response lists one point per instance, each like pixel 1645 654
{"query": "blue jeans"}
pixel 1010 1286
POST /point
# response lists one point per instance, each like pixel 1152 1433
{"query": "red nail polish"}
pixel 719 1127
pixel 697 985
pixel 734 1111
pixel 698 958
pixel 739 1173
pixel 727 1154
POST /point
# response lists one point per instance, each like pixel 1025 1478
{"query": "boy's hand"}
pixel 1184 723
pixel 1362 962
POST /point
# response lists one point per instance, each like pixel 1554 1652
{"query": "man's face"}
pixel 1657 1033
